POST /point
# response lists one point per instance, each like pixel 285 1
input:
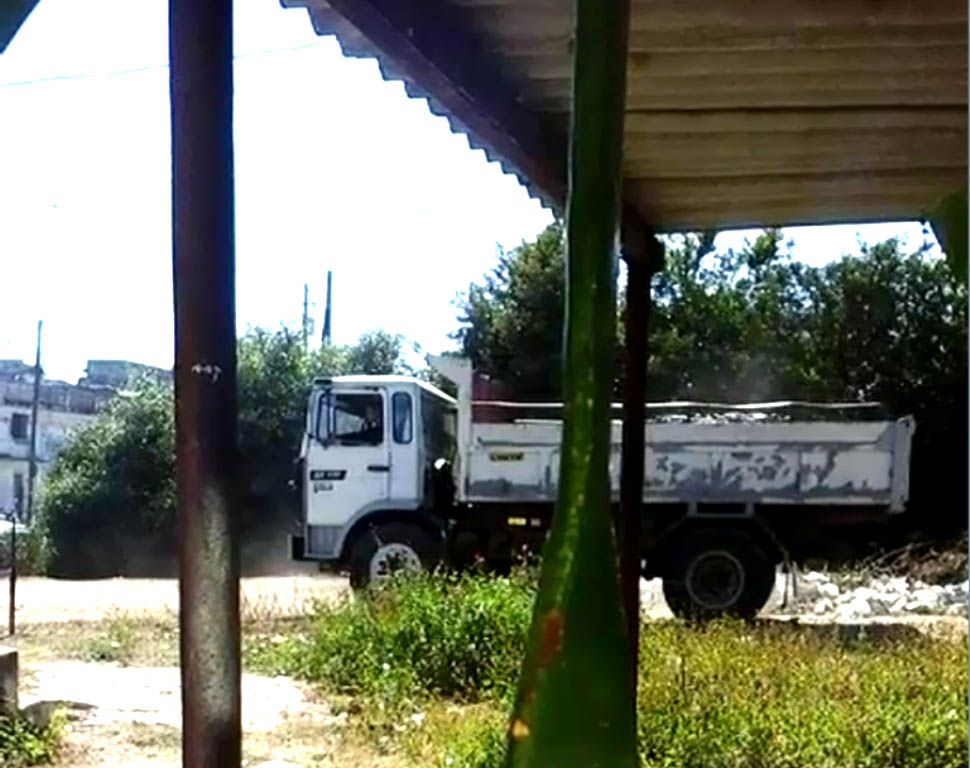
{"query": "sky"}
pixel 336 169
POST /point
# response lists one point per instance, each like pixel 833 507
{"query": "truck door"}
pixel 354 463
pixel 406 460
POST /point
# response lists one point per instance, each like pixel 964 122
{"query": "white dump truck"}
pixel 396 474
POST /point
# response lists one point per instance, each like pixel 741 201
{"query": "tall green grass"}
pixel 456 636
pixel 726 695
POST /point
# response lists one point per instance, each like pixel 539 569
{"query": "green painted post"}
pixel 574 705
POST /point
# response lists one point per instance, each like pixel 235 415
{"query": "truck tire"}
pixel 718 573
pixel 394 547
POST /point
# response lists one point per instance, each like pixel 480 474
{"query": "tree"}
pixel 377 352
pixel 512 321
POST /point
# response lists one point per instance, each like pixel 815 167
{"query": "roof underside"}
pixel 739 113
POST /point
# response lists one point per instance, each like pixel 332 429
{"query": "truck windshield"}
pixel 351 419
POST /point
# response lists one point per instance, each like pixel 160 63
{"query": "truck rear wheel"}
pixel 718 574
pixel 384 550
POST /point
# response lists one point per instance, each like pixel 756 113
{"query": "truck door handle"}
pixel 378 468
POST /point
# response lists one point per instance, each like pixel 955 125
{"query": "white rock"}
pixel 823 606
pixel 828 590
pixel 957 609
pixel 863 593
pixel 899 606
pixel 928 599
pixel 854 609
pixel 880 604
pixel 898 584
pixel 814 576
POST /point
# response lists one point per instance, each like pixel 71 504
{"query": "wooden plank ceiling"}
pixel 739 112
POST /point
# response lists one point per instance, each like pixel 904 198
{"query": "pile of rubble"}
pixel 817 593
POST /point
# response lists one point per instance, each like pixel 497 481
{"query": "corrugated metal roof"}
pixel 738 112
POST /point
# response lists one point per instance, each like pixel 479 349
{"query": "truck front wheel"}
pixel 717 574
pixel 383 550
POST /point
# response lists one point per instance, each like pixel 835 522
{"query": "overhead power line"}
pixel 149 68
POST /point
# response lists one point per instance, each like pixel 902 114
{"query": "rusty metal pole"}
pixel 640 252
pixel 200 52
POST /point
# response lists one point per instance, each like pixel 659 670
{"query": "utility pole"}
pixel 306 316
pixel 31 476
pixel 325 336
pixel 32 469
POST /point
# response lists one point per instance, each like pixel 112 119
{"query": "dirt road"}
pixel 41 600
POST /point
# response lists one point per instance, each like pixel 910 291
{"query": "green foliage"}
pixel 376 352
pixel 116 643
pixel 113 483
pixel 456 636
pixel 728 694
pixel 31 550
pixel 23 744
pixel 512 324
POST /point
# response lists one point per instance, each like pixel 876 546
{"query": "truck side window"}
pixel 357 419
pixel 401 414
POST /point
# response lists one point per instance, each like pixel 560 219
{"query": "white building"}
pixel 62 408
pixel 53 427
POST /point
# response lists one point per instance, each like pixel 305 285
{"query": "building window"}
pixel 401 411
pixel 18 426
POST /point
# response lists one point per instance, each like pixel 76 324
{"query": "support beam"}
pixel 574 705
pixel 426 44
pixel 643 255
pixel 200 53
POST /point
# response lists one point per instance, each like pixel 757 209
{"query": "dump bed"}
pixel 810 462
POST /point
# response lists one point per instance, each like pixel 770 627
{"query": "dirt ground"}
pixel 127 712
pixel 41 600
pixel 121 715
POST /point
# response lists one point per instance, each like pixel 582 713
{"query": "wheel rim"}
pixel 715 580
pixel 393 558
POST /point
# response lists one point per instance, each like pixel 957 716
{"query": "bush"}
pixel 455 636
pixel 22 743
pixel 112 484
pixel 31 550
pixel 725 695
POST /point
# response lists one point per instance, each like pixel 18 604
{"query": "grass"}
pixel 121 638
pixel 451 636
pixel 23 744
pixel 428 667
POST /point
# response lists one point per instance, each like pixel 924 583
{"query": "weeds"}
pixel 23 744
pixel 431 663
pixel 116 643
pixel 454 636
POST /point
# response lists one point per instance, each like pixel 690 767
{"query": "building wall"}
pixel 63 407
pixel 53 428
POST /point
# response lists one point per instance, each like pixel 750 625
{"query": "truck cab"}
pixel 376 463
